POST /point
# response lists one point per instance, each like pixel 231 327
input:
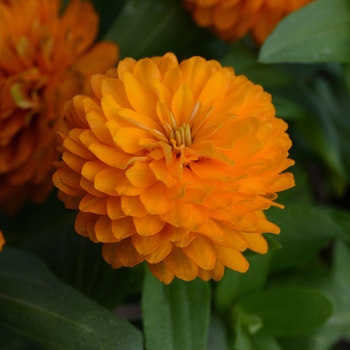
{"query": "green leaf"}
pixel 261 342
pixel 320 130
pixel 107 10
pixel 41 309
pixel 176 316
pixel 342 218
pixel 341 261
pixel 9 340
pixel 150 28
pixel 217 339
pixel 335 284
pixel 318 32
pixel 302 192
pixel 234 284
pixel 245 61
pixel 330 117
pixel 31 219
pixel 247 341
pixel 305 229
pixel 346 69
pixel 287 311
pixel 78 261
pixel 288 109
pixel 242 339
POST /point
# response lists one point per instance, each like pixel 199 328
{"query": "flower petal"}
pixel 107 179
pixel 213 91
pixel 172 79
pixel 186 240
pixel 114 208
pixel 148 225
pixel 201 251
pixel 231 258
pixel 78 149
pixel 174 234
pixel 180 265
pixel 140 175
pixel 164 97
pixel 177 214
pixel 123 227
pixel 63 180
pixel 161 172
pixel 161 272
pixel 93 204
pixel 97 124
pixel 110 254
pixel 207 169
pixel 127 254
pixel 101 57
pixel 91 168
pixel 194 74
pixel 128 139
pixel 256 242
pixel 107 154
pixel 147 244
pixel 146 72
pixel 132 206
pixel 182 104
pixel 212 230
pixel 197 219
pixel 127 117
pixel 103 229
pixel 73 161
pixel 115 88
pixel 110 107
pixel 141 99
pixel 154 200
pixel 159 253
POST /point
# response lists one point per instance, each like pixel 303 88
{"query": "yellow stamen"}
pixel 188 138
pixel 178 138
pixel 160 136
pixel 173 121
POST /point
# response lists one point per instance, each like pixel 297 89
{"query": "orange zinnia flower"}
pixel 45 59
pixel 233 19
pixel 174 164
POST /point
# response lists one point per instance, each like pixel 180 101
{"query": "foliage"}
pixel 56 292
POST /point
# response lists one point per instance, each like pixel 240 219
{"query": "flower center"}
pixel 181 138
pixel 26 89
pixel 177 137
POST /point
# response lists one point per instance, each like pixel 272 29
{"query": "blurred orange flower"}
pixel 2 240
pixel 173 164
pixel 46 58
pixel 233 19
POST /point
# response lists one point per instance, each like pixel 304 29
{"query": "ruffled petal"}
pixel 180 265
pixel 231 258
pixel 201 251
pixel 161 271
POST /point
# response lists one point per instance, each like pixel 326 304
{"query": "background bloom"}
pixel 45 59
pixel 174 164
pixel 232 20
pixel 2 240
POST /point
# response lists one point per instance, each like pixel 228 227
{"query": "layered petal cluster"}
pixel 46 58
pixel 233 19
pixel 173 164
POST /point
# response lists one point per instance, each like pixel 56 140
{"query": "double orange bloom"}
pixel 169 163
pixel 173 164
pixel 233 19
pixel 45 59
